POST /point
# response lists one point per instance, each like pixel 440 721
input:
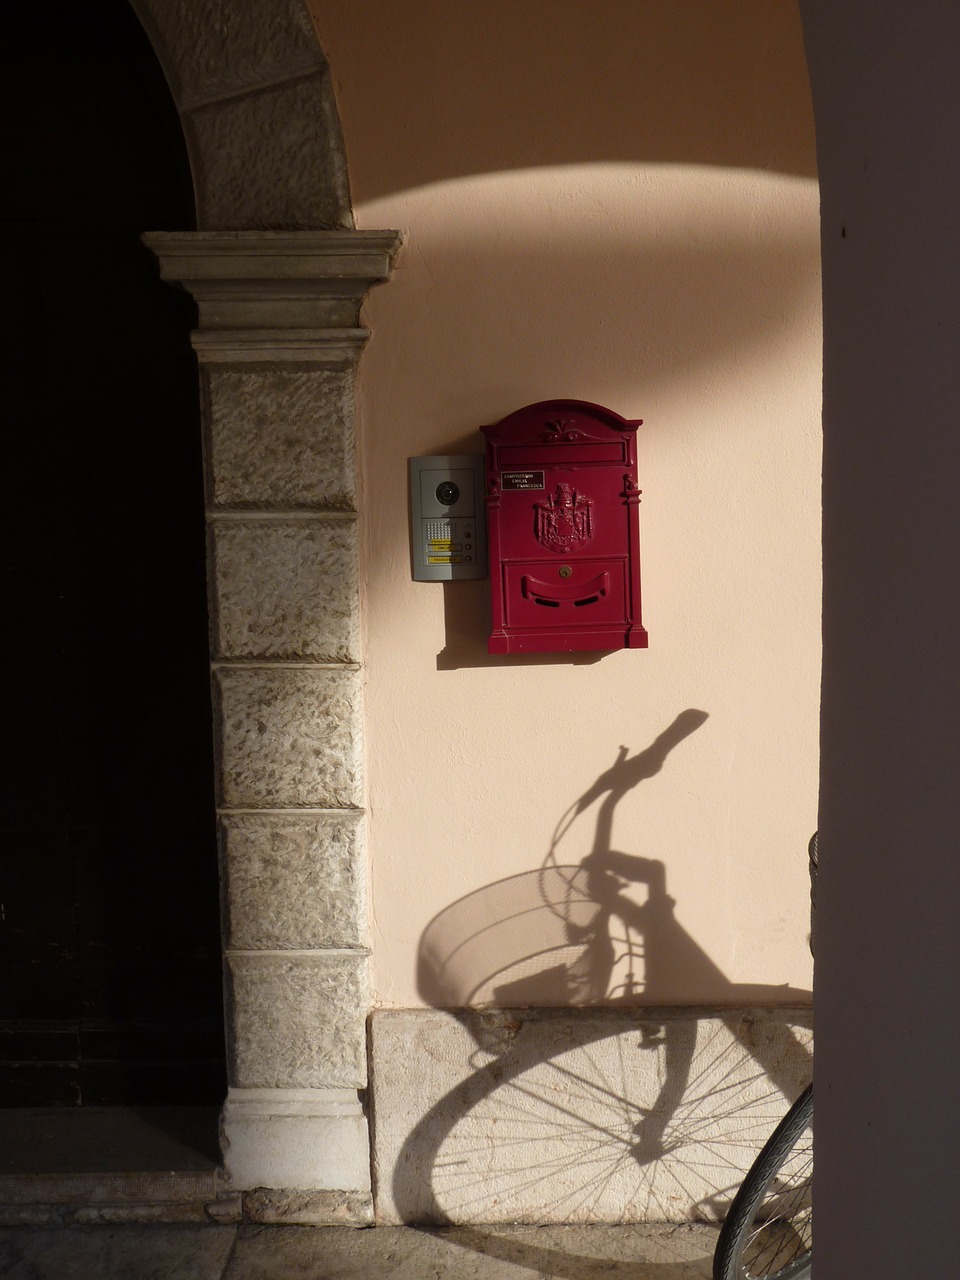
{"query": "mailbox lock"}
pixel 565 571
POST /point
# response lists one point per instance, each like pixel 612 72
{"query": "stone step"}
pixel 40 1199
pixel 111 1164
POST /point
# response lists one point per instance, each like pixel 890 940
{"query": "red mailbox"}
pixel 563 529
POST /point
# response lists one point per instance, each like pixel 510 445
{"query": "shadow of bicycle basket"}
pixel 525 940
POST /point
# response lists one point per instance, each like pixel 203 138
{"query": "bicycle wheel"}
pixel 768 1232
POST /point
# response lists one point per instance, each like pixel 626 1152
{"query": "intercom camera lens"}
pixel 447 493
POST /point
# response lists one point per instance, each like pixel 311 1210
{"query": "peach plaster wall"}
pixel 614 203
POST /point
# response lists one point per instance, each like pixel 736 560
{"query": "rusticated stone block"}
pixel 280 437
pixel 294 880
pixel 289 737
pixel 286 589
pixel 297 1021
pixel 254 173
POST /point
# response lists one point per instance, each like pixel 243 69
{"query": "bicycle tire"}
pixel 768 1231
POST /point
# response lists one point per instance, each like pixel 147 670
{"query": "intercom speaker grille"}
pixel 437 529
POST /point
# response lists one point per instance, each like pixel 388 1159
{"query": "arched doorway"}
pixel 112 990
pixel 277 364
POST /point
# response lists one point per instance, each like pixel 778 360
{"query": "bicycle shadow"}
pixel 566 981
pixel 616 1254
pixel 580 934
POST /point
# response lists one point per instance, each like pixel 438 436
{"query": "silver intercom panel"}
pixel 448 532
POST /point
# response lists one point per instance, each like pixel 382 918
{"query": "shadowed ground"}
pixel 343 1253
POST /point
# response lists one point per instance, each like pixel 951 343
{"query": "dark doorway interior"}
pixel 110 986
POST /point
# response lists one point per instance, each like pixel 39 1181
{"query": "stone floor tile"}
pixel 496 1253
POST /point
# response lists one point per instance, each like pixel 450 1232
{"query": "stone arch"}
pixel 279 276
pixel 255 97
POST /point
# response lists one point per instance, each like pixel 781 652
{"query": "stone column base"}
pixel 298 1155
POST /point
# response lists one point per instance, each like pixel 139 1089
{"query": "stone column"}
pixel 278 343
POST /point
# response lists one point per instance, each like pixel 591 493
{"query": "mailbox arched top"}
pixel 560 421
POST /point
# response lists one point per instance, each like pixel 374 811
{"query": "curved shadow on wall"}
pixel 541 83
pixel 588 1096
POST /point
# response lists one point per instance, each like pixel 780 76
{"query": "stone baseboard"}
pixel 576 1115
pixel 308 1208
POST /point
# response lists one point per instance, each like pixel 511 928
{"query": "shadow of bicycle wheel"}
pixel 578 1116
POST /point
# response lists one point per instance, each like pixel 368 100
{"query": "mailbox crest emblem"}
pixel 565 521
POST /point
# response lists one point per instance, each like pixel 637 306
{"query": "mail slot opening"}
pixel 551 604
pixel 589 600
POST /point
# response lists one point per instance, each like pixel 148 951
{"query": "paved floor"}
pixel 62 1148
pixel 342 1253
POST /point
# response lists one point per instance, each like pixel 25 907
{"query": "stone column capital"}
pixel 279 281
